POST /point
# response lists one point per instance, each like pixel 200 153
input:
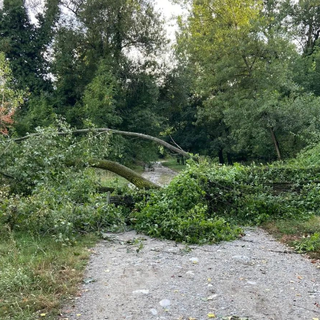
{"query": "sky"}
pixel 168 9
pixel 170 12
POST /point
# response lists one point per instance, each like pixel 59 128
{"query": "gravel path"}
pixel 134 277
pixel 160 175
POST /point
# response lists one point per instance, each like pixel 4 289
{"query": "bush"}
pixel 207 201
pixel 179 212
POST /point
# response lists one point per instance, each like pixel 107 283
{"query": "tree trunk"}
pixel 130 175
pixel 220 155
pixel 276 143
pixel 124 133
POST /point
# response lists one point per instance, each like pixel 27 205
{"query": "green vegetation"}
pixel 173 164
pixel 38 273
pixel 243 90
pixel 303 235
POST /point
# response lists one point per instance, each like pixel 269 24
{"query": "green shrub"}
pixel 206 201
pixel 311 243
pixel 179 212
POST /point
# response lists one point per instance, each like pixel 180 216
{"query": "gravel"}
pixel 135 277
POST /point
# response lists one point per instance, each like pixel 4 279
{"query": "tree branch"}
pixel 124 133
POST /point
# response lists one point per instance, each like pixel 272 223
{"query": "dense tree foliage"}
pixel 243 87
pixel 245 64
pixel 25 43
pixel 10 99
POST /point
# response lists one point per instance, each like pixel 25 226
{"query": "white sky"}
pixel 169 10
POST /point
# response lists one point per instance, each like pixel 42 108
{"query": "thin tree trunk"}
pixel 276 143
pixel 124 133
pixel 220 155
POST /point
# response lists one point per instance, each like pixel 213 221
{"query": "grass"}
pixel 112 180
pixel 302 235
pixel 173 165
pixel 38 274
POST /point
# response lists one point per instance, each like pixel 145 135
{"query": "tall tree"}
pixel 104 35
pixel 241 59
pixel 25 43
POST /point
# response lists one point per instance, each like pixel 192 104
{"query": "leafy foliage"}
pixel 49 197
pixel 25 43
pixel 205 202
pixel 10 99
pixel 180 212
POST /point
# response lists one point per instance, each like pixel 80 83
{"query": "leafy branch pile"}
pixel 207 202
pixel 53 190
pixel 49 187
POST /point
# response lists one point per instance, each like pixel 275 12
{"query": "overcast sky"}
pixel 170 12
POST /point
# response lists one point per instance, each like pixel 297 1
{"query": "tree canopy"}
pixel 243 86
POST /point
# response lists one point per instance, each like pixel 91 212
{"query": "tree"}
pixel 25 44
pixel 99 98
pixel 44 156
pixel 103 31
pixel 241 58
pixel 304 24
pixel 10 99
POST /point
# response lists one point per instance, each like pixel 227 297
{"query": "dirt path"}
pixel 134 277
pixel 161 175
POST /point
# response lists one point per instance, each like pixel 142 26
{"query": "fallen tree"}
pixel 124 133
pixel 112 166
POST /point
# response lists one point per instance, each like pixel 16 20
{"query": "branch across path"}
pixel 115 167
pixel 124 133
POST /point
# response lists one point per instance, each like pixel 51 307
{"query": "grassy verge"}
pixel 302 235
pixel 112 180
pixel 173 165
pixel 38 274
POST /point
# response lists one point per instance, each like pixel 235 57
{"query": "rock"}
pixel 154 311
pixel 165 303
pixel 88 280
pixel 190 274
pixel 194 260
pixel 141 292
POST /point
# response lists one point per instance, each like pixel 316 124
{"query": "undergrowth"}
pixel 36 274
pixel 43 213
pixel 207 202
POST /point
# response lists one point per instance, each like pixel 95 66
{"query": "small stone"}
pixel 190 274
pixel 242 259
pixel 194 260
pixel 212 297
pixel 252 283
pixel 154 312
pixel 88 280
pixel 141 292
pixel 165 303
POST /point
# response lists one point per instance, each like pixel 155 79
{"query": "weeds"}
pixel 37 274
pixel 303 235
